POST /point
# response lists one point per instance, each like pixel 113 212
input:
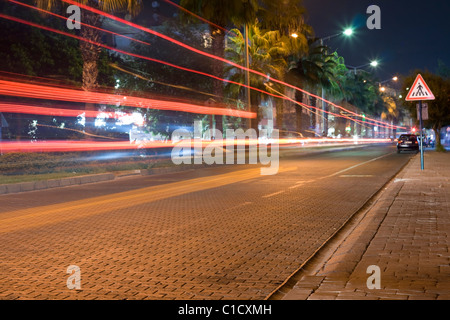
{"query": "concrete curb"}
pixel 54 183
pixel 163 170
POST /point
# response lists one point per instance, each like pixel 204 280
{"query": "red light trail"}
pixel 18 89
pixel 147 30
pixel 56 112
pixel 92 97
pixel 25 90
pixel 162 106
pixel 219 111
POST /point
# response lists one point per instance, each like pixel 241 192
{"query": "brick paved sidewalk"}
pixel 406 234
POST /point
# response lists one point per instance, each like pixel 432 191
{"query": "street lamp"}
pixel 389 80
pixel 348 33
pixel 373 64
pixel 383 88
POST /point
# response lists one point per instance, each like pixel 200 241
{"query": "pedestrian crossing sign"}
pixel 420 91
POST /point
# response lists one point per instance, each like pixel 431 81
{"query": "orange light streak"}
pixel 25 90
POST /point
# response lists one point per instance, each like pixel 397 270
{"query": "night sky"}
pixel 414 34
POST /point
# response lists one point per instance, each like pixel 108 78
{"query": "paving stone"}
pixel 405 243
pixel 187 238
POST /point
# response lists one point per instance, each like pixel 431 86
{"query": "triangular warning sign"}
pixel 420 91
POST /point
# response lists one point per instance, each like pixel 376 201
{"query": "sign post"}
pixel 422 165
pixel 420 92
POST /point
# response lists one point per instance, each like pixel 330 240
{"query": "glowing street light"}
pixel 348 32
pixel 395 79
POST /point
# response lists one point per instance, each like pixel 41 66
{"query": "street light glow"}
pixel 374 63
pixel 294 35
pixel 348 32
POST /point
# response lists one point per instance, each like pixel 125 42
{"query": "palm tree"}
pixel 89 51
pixel 267 51
pixel 221 13
pixel 313 70
pixel 286 16
pixel 392 112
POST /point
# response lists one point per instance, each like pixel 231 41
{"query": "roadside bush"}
pixel 41 163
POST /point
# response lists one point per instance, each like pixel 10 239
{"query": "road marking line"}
pixel 356 166
pixel 357 176
pixel 273 194
pixel 404 180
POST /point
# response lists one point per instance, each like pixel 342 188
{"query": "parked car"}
pixel 407 142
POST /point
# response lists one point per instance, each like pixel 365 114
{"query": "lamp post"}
pixel 247 76
pixel 348 33
pixel 383 88
pixel 391 92
pixel 373 64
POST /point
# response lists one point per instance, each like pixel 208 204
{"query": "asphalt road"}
pixel 217 233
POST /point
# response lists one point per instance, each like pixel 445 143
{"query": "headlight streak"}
pixel 78 146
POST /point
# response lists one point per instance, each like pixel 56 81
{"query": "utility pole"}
pixel 324 107
pixel 247 76
pixel 422 166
